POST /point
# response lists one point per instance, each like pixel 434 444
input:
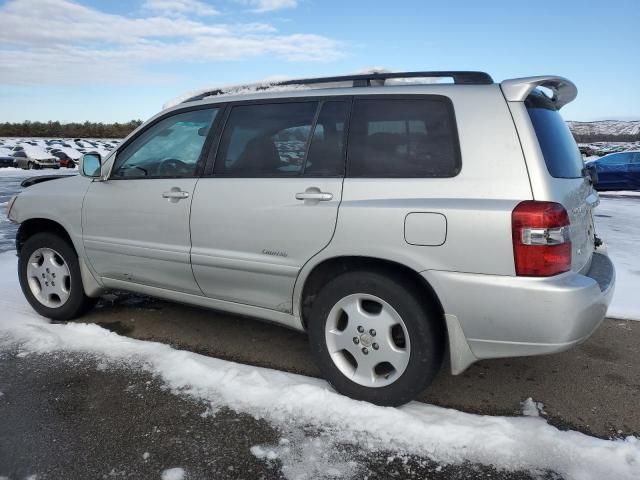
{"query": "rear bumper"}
pixel 505 316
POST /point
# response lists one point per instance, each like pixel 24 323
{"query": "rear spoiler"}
pixel 518 89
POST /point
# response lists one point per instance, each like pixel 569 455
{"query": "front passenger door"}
pixel 136 224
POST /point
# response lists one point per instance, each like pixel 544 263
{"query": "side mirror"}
pixel 90 164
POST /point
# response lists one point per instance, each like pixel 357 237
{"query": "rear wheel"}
pixel 375 337
pixel 49 274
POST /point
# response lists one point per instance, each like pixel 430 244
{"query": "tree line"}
pixel 68 130
pixel 121 130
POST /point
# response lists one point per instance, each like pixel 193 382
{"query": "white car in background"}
pixel 30 157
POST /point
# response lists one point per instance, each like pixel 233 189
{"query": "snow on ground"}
pixel 618 225
pixel 620 193
pixel 443 435
pixel 173 474
pixel 19 172
pixel 531 408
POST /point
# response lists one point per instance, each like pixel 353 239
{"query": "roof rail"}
pixel 518 89
pixel 358 80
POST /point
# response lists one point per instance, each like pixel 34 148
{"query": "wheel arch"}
pixel 30 227
pixel 331 267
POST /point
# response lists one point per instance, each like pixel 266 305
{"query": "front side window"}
pixel 403 139
pixel 265 140
pixel 169 148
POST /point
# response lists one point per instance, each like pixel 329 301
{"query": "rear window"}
pixel 403 138
pixel 558 146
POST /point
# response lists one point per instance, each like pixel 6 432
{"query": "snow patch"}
pixel 305 456
pixel 235 90
pixel 617 222
pixel 270 85
pixel 146 455
pixel 605 127
pixel 263 453
pixel 19 172
pixel 530 408
pixel 173 474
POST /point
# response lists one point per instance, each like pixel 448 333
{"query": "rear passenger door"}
pixel 269 201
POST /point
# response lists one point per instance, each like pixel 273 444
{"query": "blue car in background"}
pixel 618 171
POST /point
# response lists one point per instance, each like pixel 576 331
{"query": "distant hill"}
pixel 606 131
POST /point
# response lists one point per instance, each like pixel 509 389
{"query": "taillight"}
pixel 541 241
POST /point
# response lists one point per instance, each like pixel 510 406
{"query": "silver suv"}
pixel 392 218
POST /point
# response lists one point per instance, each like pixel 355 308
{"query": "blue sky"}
pixel 76 60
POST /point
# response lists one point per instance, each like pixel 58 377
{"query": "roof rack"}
pixel 359 80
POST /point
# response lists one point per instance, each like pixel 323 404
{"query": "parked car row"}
pixel 599 149
pixel 50 153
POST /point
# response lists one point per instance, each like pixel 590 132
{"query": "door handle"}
pixel 175 194
pixel 319 196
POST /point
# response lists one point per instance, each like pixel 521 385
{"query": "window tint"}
pixel 403 138
pixel 265 140
pixel 170 148
pixel 326 152
pixel 560 151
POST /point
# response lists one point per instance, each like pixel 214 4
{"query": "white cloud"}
pixel 61 41
pixel 179 7
pixel 260 6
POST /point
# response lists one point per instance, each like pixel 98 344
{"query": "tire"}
pixel 413 347
pixel 30 166
pixel 51 249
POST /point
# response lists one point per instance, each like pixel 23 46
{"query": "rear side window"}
pixel 265 140
pixel 403 138
pixel 560 151
pixel 326 151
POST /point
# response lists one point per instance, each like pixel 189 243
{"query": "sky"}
pixel 77 60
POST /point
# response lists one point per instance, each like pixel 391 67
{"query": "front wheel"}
pixel 376 337
pixel 49 274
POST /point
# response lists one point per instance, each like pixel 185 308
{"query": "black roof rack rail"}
pixel 359 80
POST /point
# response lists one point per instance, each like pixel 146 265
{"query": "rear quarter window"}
pixel 403 138
pixel 560 151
